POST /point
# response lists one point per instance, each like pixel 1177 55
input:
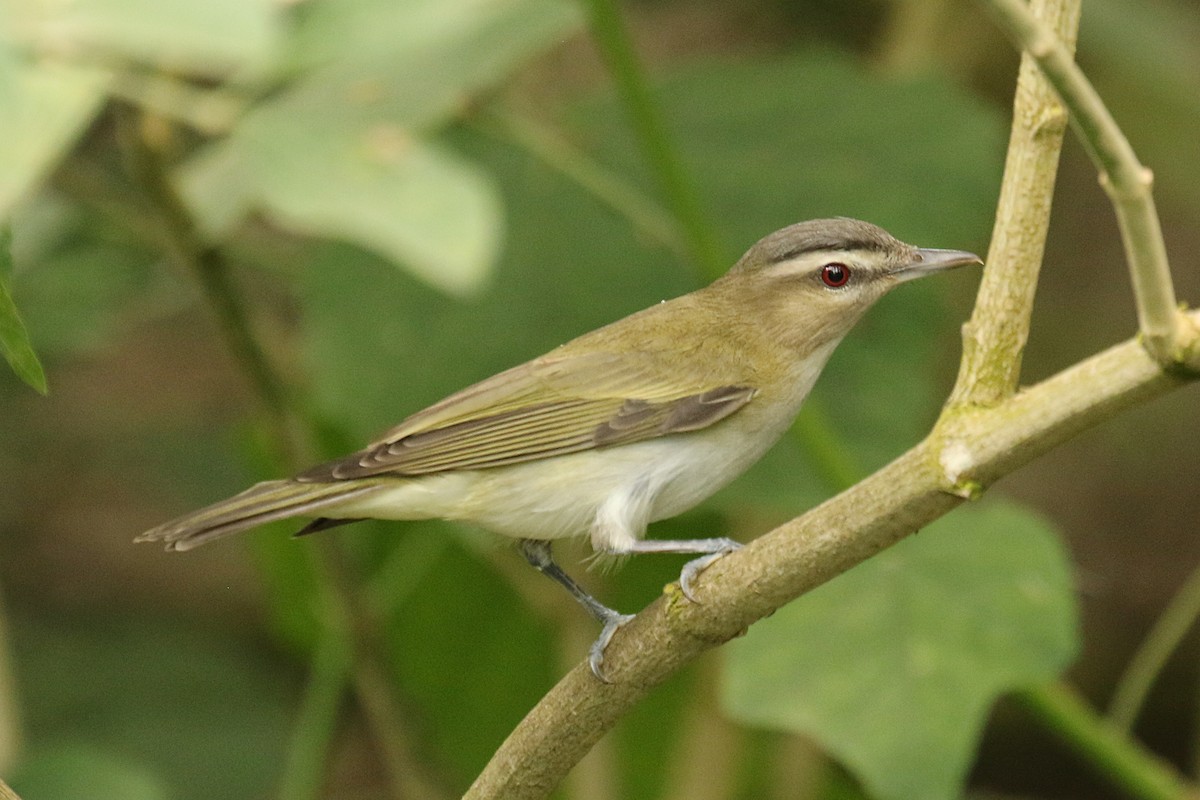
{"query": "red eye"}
pixel 835 275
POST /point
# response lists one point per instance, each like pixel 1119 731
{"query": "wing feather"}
pixel 560 403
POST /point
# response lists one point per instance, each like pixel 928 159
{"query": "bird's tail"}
pixel 261 503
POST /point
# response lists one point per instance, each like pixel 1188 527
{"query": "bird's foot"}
pixel 612 622
pixel 697 565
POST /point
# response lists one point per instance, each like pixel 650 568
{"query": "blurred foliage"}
pixel 323 145
pixel 1145 60
pixel 143 708
pixel 14 338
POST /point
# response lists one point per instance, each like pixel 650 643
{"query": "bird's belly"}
pixel 621 488
pixel 650 480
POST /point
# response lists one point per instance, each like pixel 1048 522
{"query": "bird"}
pixel 633 422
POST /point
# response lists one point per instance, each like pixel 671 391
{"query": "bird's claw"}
pixel 697 565
pixel 596 652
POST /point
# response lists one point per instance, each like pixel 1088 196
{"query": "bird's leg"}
pixel 537 553
pixel 712 548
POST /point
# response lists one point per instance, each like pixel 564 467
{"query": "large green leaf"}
pixel 46 105
pixel 345 151
pixel 453 45
pixel 213 38
pixel 812 134
pixel 894 666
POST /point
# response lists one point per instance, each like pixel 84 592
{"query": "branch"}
pixel 804 553
pixel 1166 332
pixel 994 338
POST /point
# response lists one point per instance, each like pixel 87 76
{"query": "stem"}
pixel 10 723
pixel 640 211
pixel 1164 332
pixel 184 244
pixel 6 793
pixel 1104 746
pixel 362 630
pixel 617 48
pixel 313 732
pixel 804 553
pixel 994 338
pixel 1147 663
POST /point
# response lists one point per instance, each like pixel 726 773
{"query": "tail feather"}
pixel 261 503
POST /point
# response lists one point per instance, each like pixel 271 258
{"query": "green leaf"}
pixel 213 38
pixel 346 153
pixel 895 665
pixel 46 105
pixel 14 338
pixel 469 43
pixel 415 202
pixel 775 140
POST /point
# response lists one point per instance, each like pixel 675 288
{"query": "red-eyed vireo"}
pixel 631 423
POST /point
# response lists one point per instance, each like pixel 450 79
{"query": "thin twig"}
pixel 1148 662
pixel 183 242
pixel 994 338
pixel 312 734
pixel 1166 333
pixel 806 552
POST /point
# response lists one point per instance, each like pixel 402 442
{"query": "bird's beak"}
pixel 930 260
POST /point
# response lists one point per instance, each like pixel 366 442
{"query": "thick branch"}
pixel 994 338
pixel 1165 331
pixel 802 554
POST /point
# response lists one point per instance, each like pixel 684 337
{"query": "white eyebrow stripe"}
pixel 808 263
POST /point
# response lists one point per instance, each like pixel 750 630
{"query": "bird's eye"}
pixel 835 275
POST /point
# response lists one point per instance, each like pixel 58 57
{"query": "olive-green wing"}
pixel 539 410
